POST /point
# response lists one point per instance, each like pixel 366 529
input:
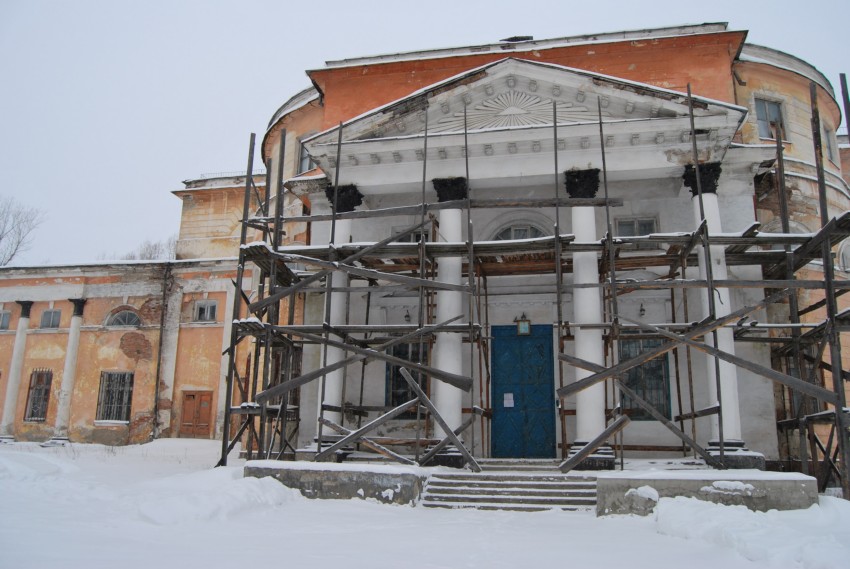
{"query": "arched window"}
pixel 124 318
pixel 844 256
pixel 775 226
pixel 518 231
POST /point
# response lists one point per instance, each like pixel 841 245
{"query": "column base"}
pixel 56 442
pixel 736 455
pixel 450 457
pixel 7 439
pixel 602 459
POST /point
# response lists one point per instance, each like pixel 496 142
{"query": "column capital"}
pixel 26 306
pixel 709 173
pixel 582 183
pixel 451 189
pixel 347 198
pixel 79 303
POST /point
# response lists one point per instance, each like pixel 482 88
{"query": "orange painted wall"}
pixel 703 60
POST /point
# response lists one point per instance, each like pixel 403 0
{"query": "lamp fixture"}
pixel 523 325
pixel 642 311
pixel 407 316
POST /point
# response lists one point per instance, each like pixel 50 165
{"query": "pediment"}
pixel 511 107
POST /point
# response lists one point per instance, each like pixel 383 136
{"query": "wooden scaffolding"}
pixel 262 407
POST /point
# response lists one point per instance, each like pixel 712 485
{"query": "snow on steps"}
pixel 504 488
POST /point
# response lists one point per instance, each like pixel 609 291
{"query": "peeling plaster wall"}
pixel 108 290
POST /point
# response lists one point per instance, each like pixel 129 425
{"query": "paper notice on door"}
pixel 509 400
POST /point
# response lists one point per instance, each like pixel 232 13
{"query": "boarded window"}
pixel 39 395
pixel 116 396
pixel 650 380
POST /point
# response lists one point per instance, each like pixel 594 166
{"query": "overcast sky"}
pixel 108 105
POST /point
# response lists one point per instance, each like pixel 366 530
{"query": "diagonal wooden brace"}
pixel 792 382
pixel 646 406
pixel 443 443
pixel 380 449
pixel 280 295
pixel 590 447
pixel 374 424
pixel 439 419
pixel 700 330
pixel 308 377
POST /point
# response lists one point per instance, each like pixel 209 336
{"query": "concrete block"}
pixel 387 484
pixel 637 492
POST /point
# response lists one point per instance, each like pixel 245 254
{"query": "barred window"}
pixel 50 318
pixel 124 318
pixel 39 395
pixel 116 396
pixel 649 380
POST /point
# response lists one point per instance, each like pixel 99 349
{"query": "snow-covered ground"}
pixel 162 505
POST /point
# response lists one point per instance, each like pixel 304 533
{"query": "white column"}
pixel 447 355
pixel 334 380
pixel 725 336
pixel 13 385
pixel 69 372
pixel 587 309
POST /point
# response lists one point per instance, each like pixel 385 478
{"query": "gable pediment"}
pixel 510 107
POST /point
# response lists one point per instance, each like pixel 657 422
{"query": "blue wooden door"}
pixel 523 393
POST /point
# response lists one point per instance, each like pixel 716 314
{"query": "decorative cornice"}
pixel 347 198
pixel 26 306
pixel 582 183
pixel 450 189
pixel 709 174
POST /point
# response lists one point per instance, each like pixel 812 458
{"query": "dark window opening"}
pixel 398 391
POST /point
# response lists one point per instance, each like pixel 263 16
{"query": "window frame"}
pixel 5 319
pixel 635 374
pixel 38 395
pixel 396 388
pixel 200 311
pixel 766 121
pixel 828 136
pixel 115 397
pixel 304 158
pixel 51 325
pixel 637 220
pixel 513 227
pixel 413 237
pixel 111 321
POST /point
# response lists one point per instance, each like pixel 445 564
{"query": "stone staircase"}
pixel 523 485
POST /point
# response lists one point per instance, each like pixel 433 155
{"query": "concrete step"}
pixel 519 491
pixel 509 491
